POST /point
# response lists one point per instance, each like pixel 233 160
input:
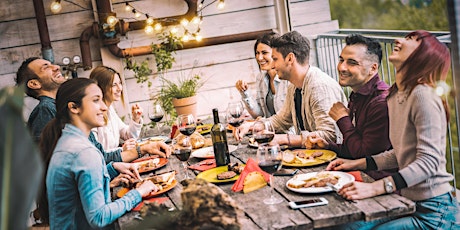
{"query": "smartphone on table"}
pixel 308 203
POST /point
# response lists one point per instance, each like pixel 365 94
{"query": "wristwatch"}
pixel 138 149
pixel 389 187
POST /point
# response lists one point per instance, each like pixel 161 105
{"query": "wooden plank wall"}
pixel 221 65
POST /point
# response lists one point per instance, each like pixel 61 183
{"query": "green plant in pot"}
pixel 173 92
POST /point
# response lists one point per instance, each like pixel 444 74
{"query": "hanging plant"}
pixel 141 70
pixel 164 51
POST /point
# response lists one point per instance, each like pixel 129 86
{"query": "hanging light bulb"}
pixel 112 20
pixel 173 30
pixel 196 20
pixel 56 6
pixel 158 27
pixel 201 4
pixel 148 29
pixel 149 20
pixel 184 22
pixel 221 5
pixel 128 7
pixel 198 37
pixel 185 38
pixel 136 14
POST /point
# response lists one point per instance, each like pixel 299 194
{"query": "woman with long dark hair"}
pixel 418 122
pixel 78 178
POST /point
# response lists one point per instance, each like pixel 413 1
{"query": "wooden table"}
pixel 260 216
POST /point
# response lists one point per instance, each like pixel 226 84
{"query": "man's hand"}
pixel 313 141
pixel 155 148
pixel 129 144
pixel 338 110
pixel 239 132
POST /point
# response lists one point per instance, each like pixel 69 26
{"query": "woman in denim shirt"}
pixel 418 119
pixel 78 178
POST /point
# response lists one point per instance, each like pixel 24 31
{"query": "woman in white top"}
pixel 109 135
pixel 271 91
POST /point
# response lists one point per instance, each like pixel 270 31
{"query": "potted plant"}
pixel 179 97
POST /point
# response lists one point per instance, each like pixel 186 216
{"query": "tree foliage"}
pixel 390 14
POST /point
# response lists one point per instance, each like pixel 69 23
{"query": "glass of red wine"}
pixel 263 132
pixel 156 113
pixel 270 160
pixel 235 115
pixel 186 124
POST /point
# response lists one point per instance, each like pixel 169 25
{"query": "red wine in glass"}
pixel 270 166
pixel 264 138
pixel 182 154
pixel 236 122
pixel 156 118
pixel 187 130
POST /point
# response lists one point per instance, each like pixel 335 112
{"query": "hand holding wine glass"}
pixel 235 115
pixel 270 160
pixel 263 132
pixel 156 113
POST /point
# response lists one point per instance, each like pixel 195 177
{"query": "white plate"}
pixel 208 152
pixel 344 178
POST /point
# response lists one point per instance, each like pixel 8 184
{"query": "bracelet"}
pixel 289 140
pixel 138 149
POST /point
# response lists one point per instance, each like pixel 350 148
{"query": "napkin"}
pixel 204 165
pixel 159 200
pixel 356 175
pixel 251 166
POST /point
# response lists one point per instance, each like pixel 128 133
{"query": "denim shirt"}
pixel 44 112
pixel 78 185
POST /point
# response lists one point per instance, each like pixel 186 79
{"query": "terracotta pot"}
pixel 186 105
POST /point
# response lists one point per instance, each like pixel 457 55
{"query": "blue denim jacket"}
pixel 78 185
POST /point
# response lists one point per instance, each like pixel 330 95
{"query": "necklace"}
pixel 401 97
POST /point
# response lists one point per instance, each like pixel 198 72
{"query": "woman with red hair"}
pixel 418 122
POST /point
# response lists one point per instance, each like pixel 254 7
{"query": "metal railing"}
pixel 329 46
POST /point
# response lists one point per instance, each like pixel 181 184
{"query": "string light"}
pixel 173 30
pixel 221 5
pixel 128 7
pixel 136 13
pixel 196 20
pixel 149 20
pixel 112 20
pixel 184 22
pixel 158 27
pixel 56 6
pixel 148 29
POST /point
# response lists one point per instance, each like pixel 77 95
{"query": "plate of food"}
pixel 204 129
pixel 253 143
pixel 316 182
pixel 307 157
pixel 146 140
pixel 222 174
pixel 150 164
pixel 208 152
pixel 164 182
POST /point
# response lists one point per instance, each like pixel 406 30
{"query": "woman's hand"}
pixel 241 85
pixel 146 188
pixel 239 132
pixel 341 164
pixel 313 141
pixel 360 190
pixel 157 148
pixel 136 112
pixel 129 144
pixel 127 168
pixel 119 180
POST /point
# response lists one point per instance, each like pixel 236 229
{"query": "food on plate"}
pixel 253 181
pixel 319 180
pixel 236 167
pixel 253 142
pixel 300 156
pixel 226 175
pixel 161 181
pixel 148 165
pixel 196 139
pixel 203 129
pixel 156 139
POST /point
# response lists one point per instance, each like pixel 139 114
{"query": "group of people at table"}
pixel 395 134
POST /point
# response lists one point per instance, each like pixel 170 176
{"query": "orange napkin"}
pixel 159 200
pixel 356 175
pixel 251 166
pixel 204 165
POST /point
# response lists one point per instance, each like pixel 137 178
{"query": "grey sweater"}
pixel 418 135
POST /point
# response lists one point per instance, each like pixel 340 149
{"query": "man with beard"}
pixel 364 124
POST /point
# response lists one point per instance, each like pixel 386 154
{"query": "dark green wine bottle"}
pixel 219 141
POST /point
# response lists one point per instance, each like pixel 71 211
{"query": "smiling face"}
pixel 91 112
pixel 264 56
pixel 50 76
pixel 403 48
pixel 279 64
pixel 116 88
pixel 356 67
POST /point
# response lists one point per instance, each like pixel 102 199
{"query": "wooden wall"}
pixel 221 65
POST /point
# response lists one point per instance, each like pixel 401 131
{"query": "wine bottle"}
pixel 219 141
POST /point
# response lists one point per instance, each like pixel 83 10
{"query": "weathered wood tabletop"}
pixel 260 216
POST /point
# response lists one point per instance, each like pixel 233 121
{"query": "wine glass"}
pixel 235 115
pixel 270 160
pixel 186 124
pixel 263 132
pixel 156 113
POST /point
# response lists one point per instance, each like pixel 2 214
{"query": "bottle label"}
pixel 221 153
